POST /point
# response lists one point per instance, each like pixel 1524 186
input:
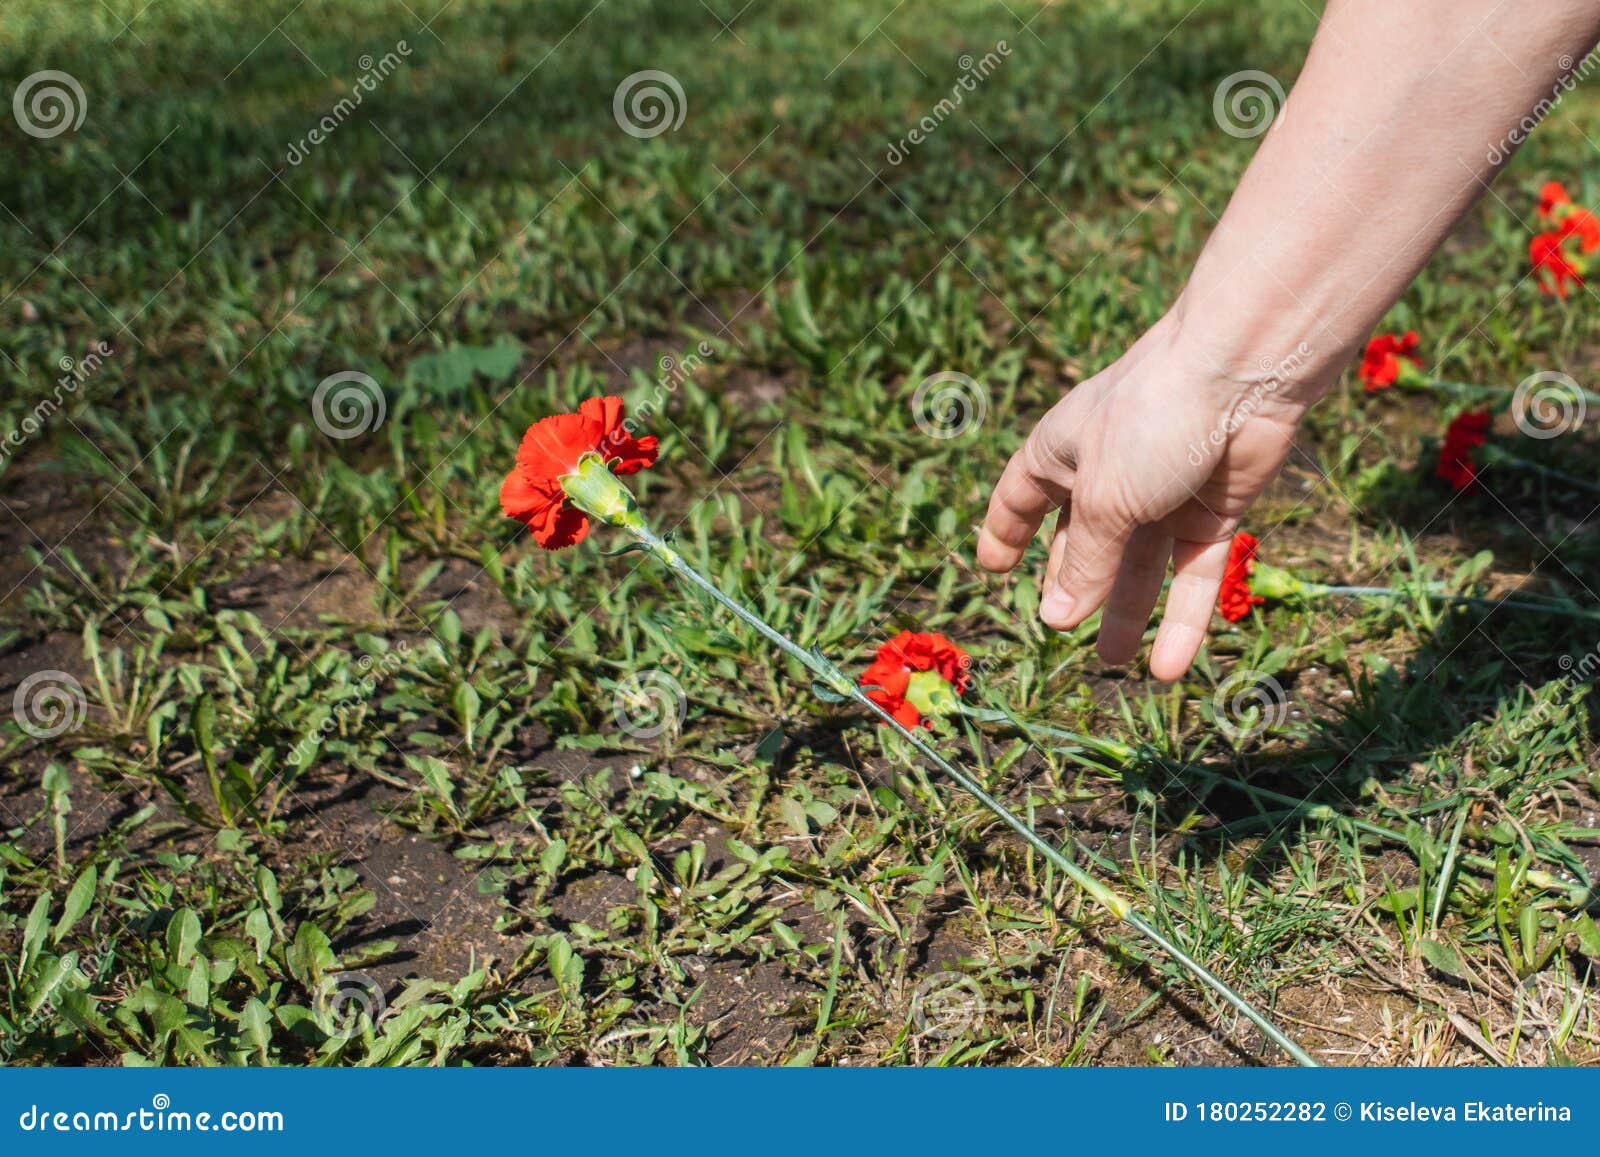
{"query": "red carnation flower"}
pixel 1386 355
pixel 1551 265
pixel 1551 194
pixel 1583 225
pixel 915 675
pixel 1465 434
pixel 1234 600
pixel 551 450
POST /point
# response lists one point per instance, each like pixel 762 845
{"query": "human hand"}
pixel 1152 461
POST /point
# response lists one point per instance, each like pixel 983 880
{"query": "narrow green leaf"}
pixel 183 937
pixel 34 931
pixel 77 903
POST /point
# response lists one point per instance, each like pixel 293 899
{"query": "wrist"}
pixel 1271 361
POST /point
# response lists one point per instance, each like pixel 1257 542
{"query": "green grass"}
pixel 349 740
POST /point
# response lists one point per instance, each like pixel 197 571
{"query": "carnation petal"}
pixel 553 445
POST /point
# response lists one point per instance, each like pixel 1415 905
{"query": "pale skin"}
pixel 1392 130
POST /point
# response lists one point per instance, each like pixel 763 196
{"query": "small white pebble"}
pixel 636 771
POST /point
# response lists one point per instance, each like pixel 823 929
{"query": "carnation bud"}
pixel 596 491
pixel 1410 374
pixel 931 694
pixel 1273 582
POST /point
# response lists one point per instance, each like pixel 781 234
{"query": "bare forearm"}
pixel 1402 114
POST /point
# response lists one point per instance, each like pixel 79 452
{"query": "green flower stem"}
pixel 1274 582
pixel 1461 389
pixel 1473 390
pixel 1314 589
pixel 1123 754
pixel 845 687
pixel 1493 455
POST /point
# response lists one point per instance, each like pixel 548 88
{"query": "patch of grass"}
pixel 344 777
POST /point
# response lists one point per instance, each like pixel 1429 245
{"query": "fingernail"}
pixel 1057 606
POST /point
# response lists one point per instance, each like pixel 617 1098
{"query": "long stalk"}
pixel 1312 590
pixel 1494 454
pixel 1577 895
pixel 842 685
pixel 1469 389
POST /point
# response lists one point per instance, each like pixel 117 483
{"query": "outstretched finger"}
pixel 1197 569
pixel 1088 567
pixel 1134 594
pixel 1021 499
